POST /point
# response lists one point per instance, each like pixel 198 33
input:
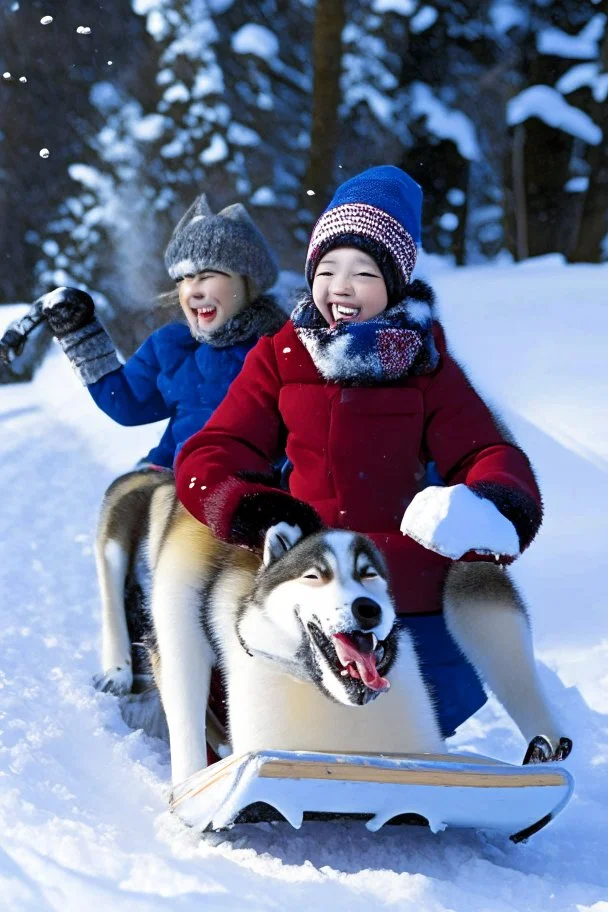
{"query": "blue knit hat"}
pixel 380 210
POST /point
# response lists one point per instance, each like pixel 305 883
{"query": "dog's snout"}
pixel 367 612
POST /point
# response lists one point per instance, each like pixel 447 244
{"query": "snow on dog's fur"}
pixel 306 637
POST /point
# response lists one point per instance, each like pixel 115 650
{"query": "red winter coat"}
pixel 357 454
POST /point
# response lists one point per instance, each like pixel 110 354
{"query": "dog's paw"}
pixel 117 680
pixel 540 750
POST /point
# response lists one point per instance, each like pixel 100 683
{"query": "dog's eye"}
pixel 368 574
pixel 313 577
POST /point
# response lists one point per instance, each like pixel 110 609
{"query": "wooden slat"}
pixel 221 769
pixel 477 759
pixel 344 772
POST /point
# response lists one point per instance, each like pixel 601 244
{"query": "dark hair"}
pixel 395 285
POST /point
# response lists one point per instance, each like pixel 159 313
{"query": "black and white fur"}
pixel 269 625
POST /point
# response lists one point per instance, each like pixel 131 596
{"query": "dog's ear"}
pixel 279 540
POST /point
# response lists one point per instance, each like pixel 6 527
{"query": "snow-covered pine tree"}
pixel 222 108
pixel 551 133
pixel 372 131
pixel 325 103
pixel 45 105
pixel 411 95
pixel 585 85
pixel 449 48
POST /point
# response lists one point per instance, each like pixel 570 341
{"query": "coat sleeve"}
pixel 469 445
pixel 130 395
pixel 224 473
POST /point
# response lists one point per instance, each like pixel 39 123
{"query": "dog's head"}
pixel 321 608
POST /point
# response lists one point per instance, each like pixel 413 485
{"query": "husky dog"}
pixel 306 636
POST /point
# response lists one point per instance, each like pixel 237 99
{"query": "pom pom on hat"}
pixel 382 206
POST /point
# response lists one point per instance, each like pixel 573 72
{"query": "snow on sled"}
pixel 441 790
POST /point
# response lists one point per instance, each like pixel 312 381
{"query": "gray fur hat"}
pixel 228 241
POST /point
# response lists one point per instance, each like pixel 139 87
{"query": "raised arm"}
pixel 129 394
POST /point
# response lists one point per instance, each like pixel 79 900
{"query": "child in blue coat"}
pixel 222 266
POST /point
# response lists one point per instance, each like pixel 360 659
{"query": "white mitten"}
pixel 454 520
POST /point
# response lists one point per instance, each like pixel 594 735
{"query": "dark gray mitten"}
pixel 15 336
pixel 70 314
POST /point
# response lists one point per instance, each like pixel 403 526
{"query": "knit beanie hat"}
pixel 378 211
pixel 228 242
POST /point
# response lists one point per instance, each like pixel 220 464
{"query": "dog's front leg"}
pixel 185 658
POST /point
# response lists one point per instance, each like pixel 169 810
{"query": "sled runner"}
pixel 441 790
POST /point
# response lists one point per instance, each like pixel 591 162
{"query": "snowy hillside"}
pixel 83 820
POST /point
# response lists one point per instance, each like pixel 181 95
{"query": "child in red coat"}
pixel 362 392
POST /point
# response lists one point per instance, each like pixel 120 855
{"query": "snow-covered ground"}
pixel 83 820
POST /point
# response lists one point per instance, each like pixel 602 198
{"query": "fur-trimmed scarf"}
pixel 395 344
pixel 263 317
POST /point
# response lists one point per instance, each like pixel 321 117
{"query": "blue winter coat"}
pixel 170 376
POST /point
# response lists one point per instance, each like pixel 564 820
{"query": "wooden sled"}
pixel 439 790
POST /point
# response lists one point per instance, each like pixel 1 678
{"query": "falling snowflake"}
pixel 44 153
pixel 83 30
pixel 6 75
pixel 310 193
pixel 46 20
pixel 23 79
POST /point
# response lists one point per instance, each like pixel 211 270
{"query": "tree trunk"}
pixel 519 192
pixel 594 220
pixel 327 64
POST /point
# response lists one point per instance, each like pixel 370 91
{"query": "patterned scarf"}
pixel 395 344
pixel 263 317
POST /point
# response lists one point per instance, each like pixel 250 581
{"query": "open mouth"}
pixel 205 314
pixel 344 313
pixel 358 659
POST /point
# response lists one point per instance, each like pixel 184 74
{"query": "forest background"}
pixel 116 113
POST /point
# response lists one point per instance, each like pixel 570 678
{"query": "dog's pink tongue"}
pixel 365 662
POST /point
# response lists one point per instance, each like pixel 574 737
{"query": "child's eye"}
pixel 370 275
pixel 324 273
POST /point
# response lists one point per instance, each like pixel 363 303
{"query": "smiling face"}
pixel 209 299
pixel 322 611
pixel 348 286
